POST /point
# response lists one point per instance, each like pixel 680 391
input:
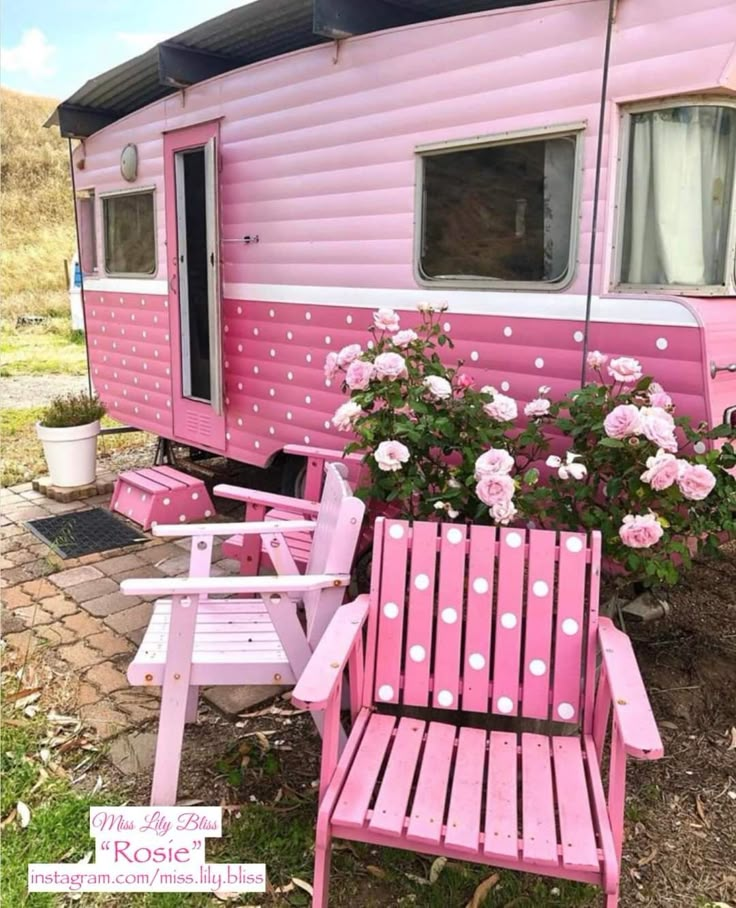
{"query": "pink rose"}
pixel 359 375
pixel 625 369
pixel 390 366
pixel 502 408
pixel 440 388
pixel 622 421
pixel 503 512
pixel 330 365
pixel 662 470
pixel 696 481
pixel 386 320
pixel 596 359
pixel 390 455
pixel 496 488
pixel 348 355
pixel 536 408
pixel 659 427
pixel 660 399
pixel 346 415
pixel 493 462
pixel 464 381
pixel 404 338
pixel 640 532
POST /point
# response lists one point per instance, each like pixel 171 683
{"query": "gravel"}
pixel 37 390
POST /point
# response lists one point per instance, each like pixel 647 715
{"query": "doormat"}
pixel 84 532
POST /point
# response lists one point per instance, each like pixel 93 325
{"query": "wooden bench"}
pixel 502 624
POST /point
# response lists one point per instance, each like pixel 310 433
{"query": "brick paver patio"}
pixel 73 609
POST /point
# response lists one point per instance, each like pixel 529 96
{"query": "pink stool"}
pixel 160 495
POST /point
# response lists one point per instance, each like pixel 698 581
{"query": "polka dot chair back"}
pixel 484 619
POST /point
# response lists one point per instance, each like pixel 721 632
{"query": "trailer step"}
pixel 160 495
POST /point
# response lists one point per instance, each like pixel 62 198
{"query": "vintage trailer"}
pixel 248 192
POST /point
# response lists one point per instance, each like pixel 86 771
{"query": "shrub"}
pixel 70 410
pixel 435 446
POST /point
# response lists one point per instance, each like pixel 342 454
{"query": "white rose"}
pixel 438 387
pixel 346 415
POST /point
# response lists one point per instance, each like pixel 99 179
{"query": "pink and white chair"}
pixel 240 630
pixel 501 623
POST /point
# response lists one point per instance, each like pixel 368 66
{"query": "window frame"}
pixel 728 287
pixel 80 194
pixel 574 130
pixel 139 275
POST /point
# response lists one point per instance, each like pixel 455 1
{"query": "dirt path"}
pixel 37 390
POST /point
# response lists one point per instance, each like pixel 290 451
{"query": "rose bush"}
pixel 611 456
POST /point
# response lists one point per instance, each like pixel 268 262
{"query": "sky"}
pixel 52 47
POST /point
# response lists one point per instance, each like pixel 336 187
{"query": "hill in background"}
pixel 36 212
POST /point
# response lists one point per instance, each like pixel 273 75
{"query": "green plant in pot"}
pixel 68 430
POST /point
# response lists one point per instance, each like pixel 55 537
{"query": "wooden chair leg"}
pixel 611 900
pixel 190 714
pixel 322 859
pixel 168 748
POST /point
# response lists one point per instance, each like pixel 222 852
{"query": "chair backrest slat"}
pixel 509 614
pixel 483 619
pixel 479 618
pixel 540 588
pixel 420 617
pixel 449 616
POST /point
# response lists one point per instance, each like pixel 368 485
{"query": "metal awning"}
pixel 258 31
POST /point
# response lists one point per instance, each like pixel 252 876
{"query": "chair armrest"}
pixel 254 586
pixel 267 499
pixel 247 528
pixel 629 698
pixel 328 661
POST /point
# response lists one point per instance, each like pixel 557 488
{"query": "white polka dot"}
pixel 370 345
pixel 699 447
pixel 391 610
pixel 208 513
pixel 508 620
pixel 195 496
pixel 445 698
pixel 307 399
pixel 308 316
pixel 271 313
pixel 662 343
pixel 537 667
pixel 290 376
pixel 540 588
pixel 513 540
pixel 167 501
pixel 328 383
pixel 349 319
pixel 449 615
pixel 421 581
pixel 578 336
pixel 505 386
pixel 475 356
pixel 272 393
pixel 256 332
pixel 256 444
pixel 271 430
pixel 308 357
pixel 480 585
pixel 182 518
pixel 505 704
pixel 240 310
pixel 396 531
pixel 477 661
pixel 417 653
pixel 240 420
pixel 447 326
pixel 566 710
pixel 385 692
pixel 306 439
pixel 539 362
pixel 327 424
pixel 228 436
pixel 328 339
pixel 272 352
pixel 240 348
pixel 574 544
pixel 507 331
pixel 570 627
pixel 289 415
pixel 454 536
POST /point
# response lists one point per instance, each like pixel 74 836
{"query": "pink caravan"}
pixel 250 191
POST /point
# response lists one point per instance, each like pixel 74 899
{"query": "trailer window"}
pixel 499 213
pixel 130 237
pixel 87 231
pixel 678 196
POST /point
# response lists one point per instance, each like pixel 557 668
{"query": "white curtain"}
pixel 681 174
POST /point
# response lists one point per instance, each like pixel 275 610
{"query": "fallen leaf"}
pixel 376 871
pixel 189 802
pixel 227 896
pixel 482 891
pixel 642 862
pixel 302 885
pixel 436 869
pixel 24 814
pixel 732 745
pixel 422 880
pixel 701 810
pixel 9 818
pixel 21 694
pixel 289 887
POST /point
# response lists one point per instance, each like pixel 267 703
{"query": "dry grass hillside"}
pixel 36 214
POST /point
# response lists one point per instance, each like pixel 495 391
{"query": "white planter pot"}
pixel 71 453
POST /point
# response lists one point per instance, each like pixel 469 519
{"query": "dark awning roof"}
pixel 263 29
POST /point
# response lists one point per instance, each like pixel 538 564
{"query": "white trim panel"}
pixel 126 285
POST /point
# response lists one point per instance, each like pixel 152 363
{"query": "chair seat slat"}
pixel 463 818
pixel 501 822
pixel 352 805
pixel 389 810
pixel 428 805
pixel 538 806
pixel 577 836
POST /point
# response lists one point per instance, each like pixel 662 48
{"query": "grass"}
pixel 281 837
pixel 53 347
pixel 22 453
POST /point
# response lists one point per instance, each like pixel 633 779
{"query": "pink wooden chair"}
pixel 503 624
pixel 240 630
pixel 252 551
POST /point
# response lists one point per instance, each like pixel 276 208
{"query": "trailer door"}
pixel 192 219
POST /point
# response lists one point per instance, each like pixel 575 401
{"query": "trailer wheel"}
pixel 293 471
